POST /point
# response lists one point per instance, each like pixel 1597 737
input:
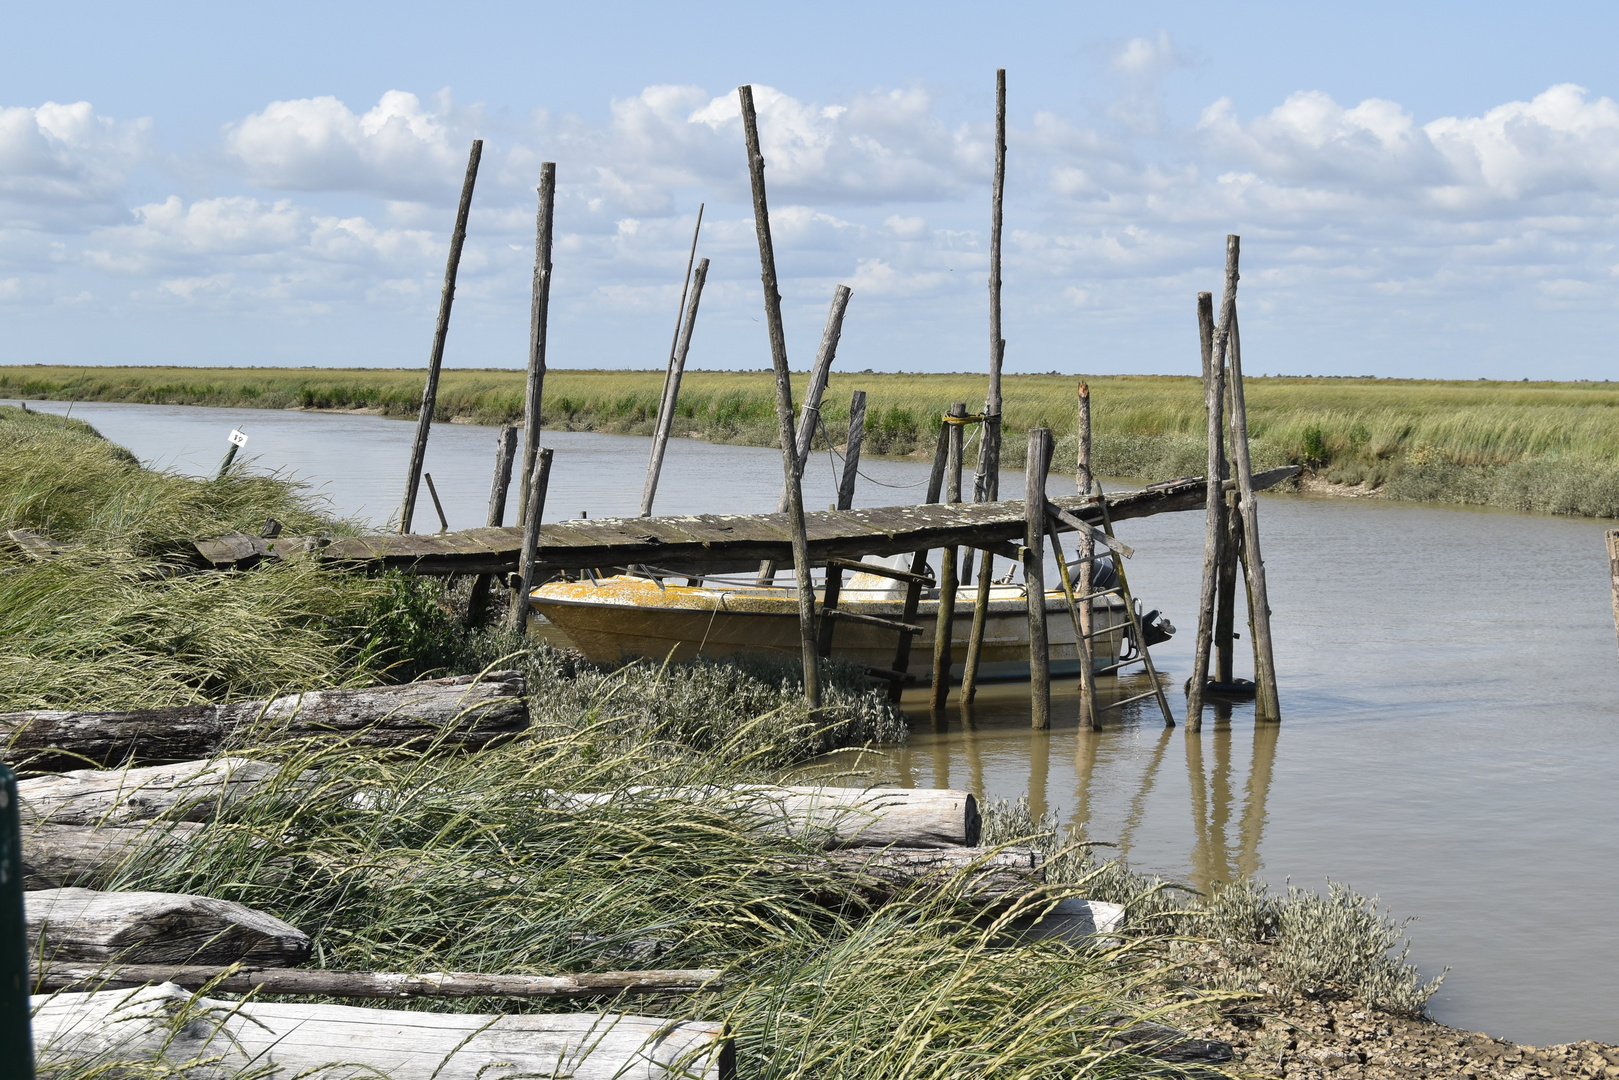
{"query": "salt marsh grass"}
pixel 1548 447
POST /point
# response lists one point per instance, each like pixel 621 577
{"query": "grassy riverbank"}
pixel 465 863
pixel 1545 447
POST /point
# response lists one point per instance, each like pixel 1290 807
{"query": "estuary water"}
pixel 1448 687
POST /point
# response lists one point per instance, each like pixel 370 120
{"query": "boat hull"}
pixel 620 617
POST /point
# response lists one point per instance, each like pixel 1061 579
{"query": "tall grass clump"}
pixel 1336 945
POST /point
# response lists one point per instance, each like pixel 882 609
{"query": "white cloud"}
pixel 396 149
pixel 65 156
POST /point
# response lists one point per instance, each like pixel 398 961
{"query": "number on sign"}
pixel 237 438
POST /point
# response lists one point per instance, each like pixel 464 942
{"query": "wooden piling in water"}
pixel 1034 575
pixel 671 392
pixel 539 317
pixel 919 565
pixel 1226 611
pixel 1267 702
pixel 987 483
pixel 1085 551
pixel 946 621
pixel 538 481
pixel 1214 527
pixel 809 413
pixel 505 453
pixel 1613 571
pixel 851 468
pixel 441 330
pixel 784 401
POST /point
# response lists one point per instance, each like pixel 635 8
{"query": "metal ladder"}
pixel 1122 590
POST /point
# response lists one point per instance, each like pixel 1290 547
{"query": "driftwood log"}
pixel 1070 919
pixel 156 928
pixel 464 712
pixel 980 875
pixel 183 791
pixel 168 1023
pixel 374 984
pixel 832 817
pixel 55 856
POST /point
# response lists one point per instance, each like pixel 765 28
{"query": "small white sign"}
pixel 237 438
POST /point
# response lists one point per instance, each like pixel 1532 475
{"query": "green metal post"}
pixel 16 1044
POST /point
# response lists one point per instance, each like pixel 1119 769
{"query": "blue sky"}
pixel 1427 190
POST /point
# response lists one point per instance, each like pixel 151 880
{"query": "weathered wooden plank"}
pixel 982 875
pixel 290 1039
pixel 185 791
pixel 464 711
pixel 58 856
pixel 157 928
pixel 59 975
pixel 577 544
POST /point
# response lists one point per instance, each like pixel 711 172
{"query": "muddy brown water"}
pixel 1448 685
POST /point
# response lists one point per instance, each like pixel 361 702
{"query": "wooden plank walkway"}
pixel 704 541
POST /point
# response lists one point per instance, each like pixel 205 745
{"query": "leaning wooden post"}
pixel 1613 571
pixel 441 330
pixel 987 484
pixel 1085 550
pixel 945 624
pixel 680 312
pixel 538 481
pixel 671 393
pixel 809 413
pixel 1214 509
pixel 539 311
pixel 1267 701
pixel 16 1043
pixel 851 469
pixel 505 454
pixel 784 403
pixel 1034 575
pixel 919 565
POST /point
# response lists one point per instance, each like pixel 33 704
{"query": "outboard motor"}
pixel 1103 576
pixel 1156 628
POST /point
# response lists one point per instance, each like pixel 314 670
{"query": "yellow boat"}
pixel 611 618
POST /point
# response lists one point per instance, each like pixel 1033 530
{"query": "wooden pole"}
pixel 1085 550
pixel 505 453
pixel 851 469
pixel 1034 575
pixel 1214 521
pixel 1267 701
pixel 666 404
pixel 945 623
pixel 1225 614
pixel 671 393
pixel 987 484
pixel 1613 571
pixel 16 1042
pixel 441 330
pixel 538 482
pixel 539 314
pixel 809 413
pixel 919 565
pixel 438 507
pixel 784 402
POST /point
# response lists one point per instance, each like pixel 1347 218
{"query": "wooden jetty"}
pixel 707 542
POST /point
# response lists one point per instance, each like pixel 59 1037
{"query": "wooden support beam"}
pixel 296 1039
pixel 671 390
pixel 666 406
pixel 505 454
pixel 784 403
pixel 919 564
pixel 987 483
pixel 441 331
pixel 1613 571
pixel 834 567
pixel 538 483
pixel 946 619
pixel 1085 552
pixel 1214 510
pixel 539 318
pixel 1034 576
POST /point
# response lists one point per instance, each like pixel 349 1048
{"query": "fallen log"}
pixel 185 791
pixel 981 875
pixel 1072 919
pixel 244 979
pixel 466 712
pixel 832 817
pixel 58 856
pixel 156 928
pixel 167 1023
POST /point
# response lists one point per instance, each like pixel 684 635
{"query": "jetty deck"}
pixel 705 542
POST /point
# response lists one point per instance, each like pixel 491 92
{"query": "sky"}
pixel 1422 190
